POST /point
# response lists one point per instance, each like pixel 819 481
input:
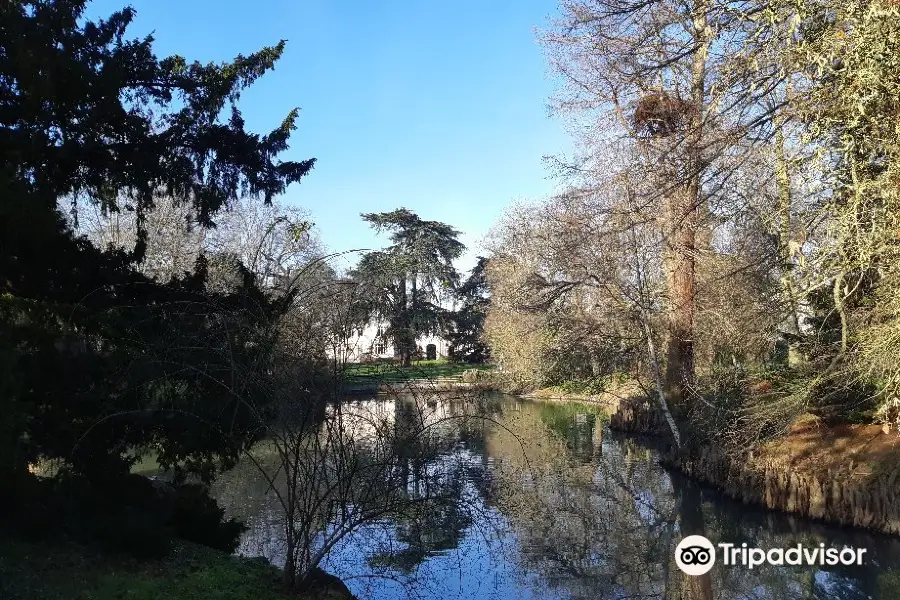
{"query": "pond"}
pixel 552 504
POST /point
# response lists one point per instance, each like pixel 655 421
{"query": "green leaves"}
pixel 405 282
pixel 107 360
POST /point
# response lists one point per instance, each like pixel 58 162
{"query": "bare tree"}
pixel 686 87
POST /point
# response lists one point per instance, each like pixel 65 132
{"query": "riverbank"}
pixel 31 570
pixel 841 474
pixel 388 377
pixel 835 473
pixel 845 474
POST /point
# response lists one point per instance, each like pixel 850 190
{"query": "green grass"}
pixel 146 465
pixel 66 571
pixel 389 371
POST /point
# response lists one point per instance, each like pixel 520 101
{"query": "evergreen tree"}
pixel 99 360
pixel 404 283
pixel 466 326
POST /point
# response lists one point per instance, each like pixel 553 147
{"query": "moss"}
pixel 67 571
pixel 889 584
pixel 594 385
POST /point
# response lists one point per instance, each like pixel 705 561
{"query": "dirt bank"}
pixel 844 474
pixel 611 400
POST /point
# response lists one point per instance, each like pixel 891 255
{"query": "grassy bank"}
pixel 67 571
pixel 393 372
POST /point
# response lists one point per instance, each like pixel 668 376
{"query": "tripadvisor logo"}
pixel 696 555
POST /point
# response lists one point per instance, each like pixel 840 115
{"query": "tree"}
pixel 405 283
pixel 848 104
pixel 350 468
pixel 466 325
pixel 90 114
pixel 671 82
pixel 271 239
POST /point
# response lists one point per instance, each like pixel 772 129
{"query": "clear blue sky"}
pixel 436 106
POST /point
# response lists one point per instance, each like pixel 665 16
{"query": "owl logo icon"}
pixel 695 555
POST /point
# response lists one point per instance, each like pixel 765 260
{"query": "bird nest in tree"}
pixel 659 114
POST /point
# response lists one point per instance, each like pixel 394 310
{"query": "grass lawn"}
pixel 389 371
pixel 66 571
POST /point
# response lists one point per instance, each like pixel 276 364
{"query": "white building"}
pixel 370 343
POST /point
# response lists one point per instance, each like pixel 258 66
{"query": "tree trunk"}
pixel 691 522
pixel 413 318
pixel 786 241
pixel 664 407
pixel 685 205
pixel 289 575
pixel 680 277
pixel 596 367
pixel 401 333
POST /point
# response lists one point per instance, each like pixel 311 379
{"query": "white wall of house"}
pixel 369 342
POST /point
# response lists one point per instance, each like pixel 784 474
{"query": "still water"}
pixel 551 504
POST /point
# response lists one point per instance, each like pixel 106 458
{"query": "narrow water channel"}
pixel 553 505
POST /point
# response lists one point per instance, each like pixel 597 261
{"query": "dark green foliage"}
pixel 130 514
pixel 197 517
pixel 404 283
pixel 99 361
pixel 466 325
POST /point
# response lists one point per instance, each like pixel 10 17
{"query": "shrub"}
pixel 131 514
pixel 198 518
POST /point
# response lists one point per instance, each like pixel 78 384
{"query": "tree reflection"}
pixel 583 513
pixel 608 529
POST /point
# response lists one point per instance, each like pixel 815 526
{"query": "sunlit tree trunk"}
pixel 680 278
pixel 684 205
pixel 786 240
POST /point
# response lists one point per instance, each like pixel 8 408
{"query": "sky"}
pixel 440 107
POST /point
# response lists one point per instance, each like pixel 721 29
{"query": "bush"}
pixel 198 518
pixel 131 514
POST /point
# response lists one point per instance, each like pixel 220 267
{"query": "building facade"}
pixel 369 343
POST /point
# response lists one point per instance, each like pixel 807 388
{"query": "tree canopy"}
pixel 404 283
pixel 102 360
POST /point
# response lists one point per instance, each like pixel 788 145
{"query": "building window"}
pixel 380 347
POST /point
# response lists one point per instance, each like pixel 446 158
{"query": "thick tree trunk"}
pixel 402 332
pixel 680 278
pixel 783 179
pixel 685 206
pixel 691 522
pixel 413 318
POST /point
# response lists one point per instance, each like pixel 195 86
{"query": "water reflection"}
pixel 550 504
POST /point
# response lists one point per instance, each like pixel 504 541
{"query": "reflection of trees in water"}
pixel 428 527
pixel 418 478
pixel 580 426
pixel 592 530
pixel 608 530
pixel 736 523
pixel 592 515
pixel 438 526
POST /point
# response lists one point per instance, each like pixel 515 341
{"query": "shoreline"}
pixel 846 475
pixel 841 475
